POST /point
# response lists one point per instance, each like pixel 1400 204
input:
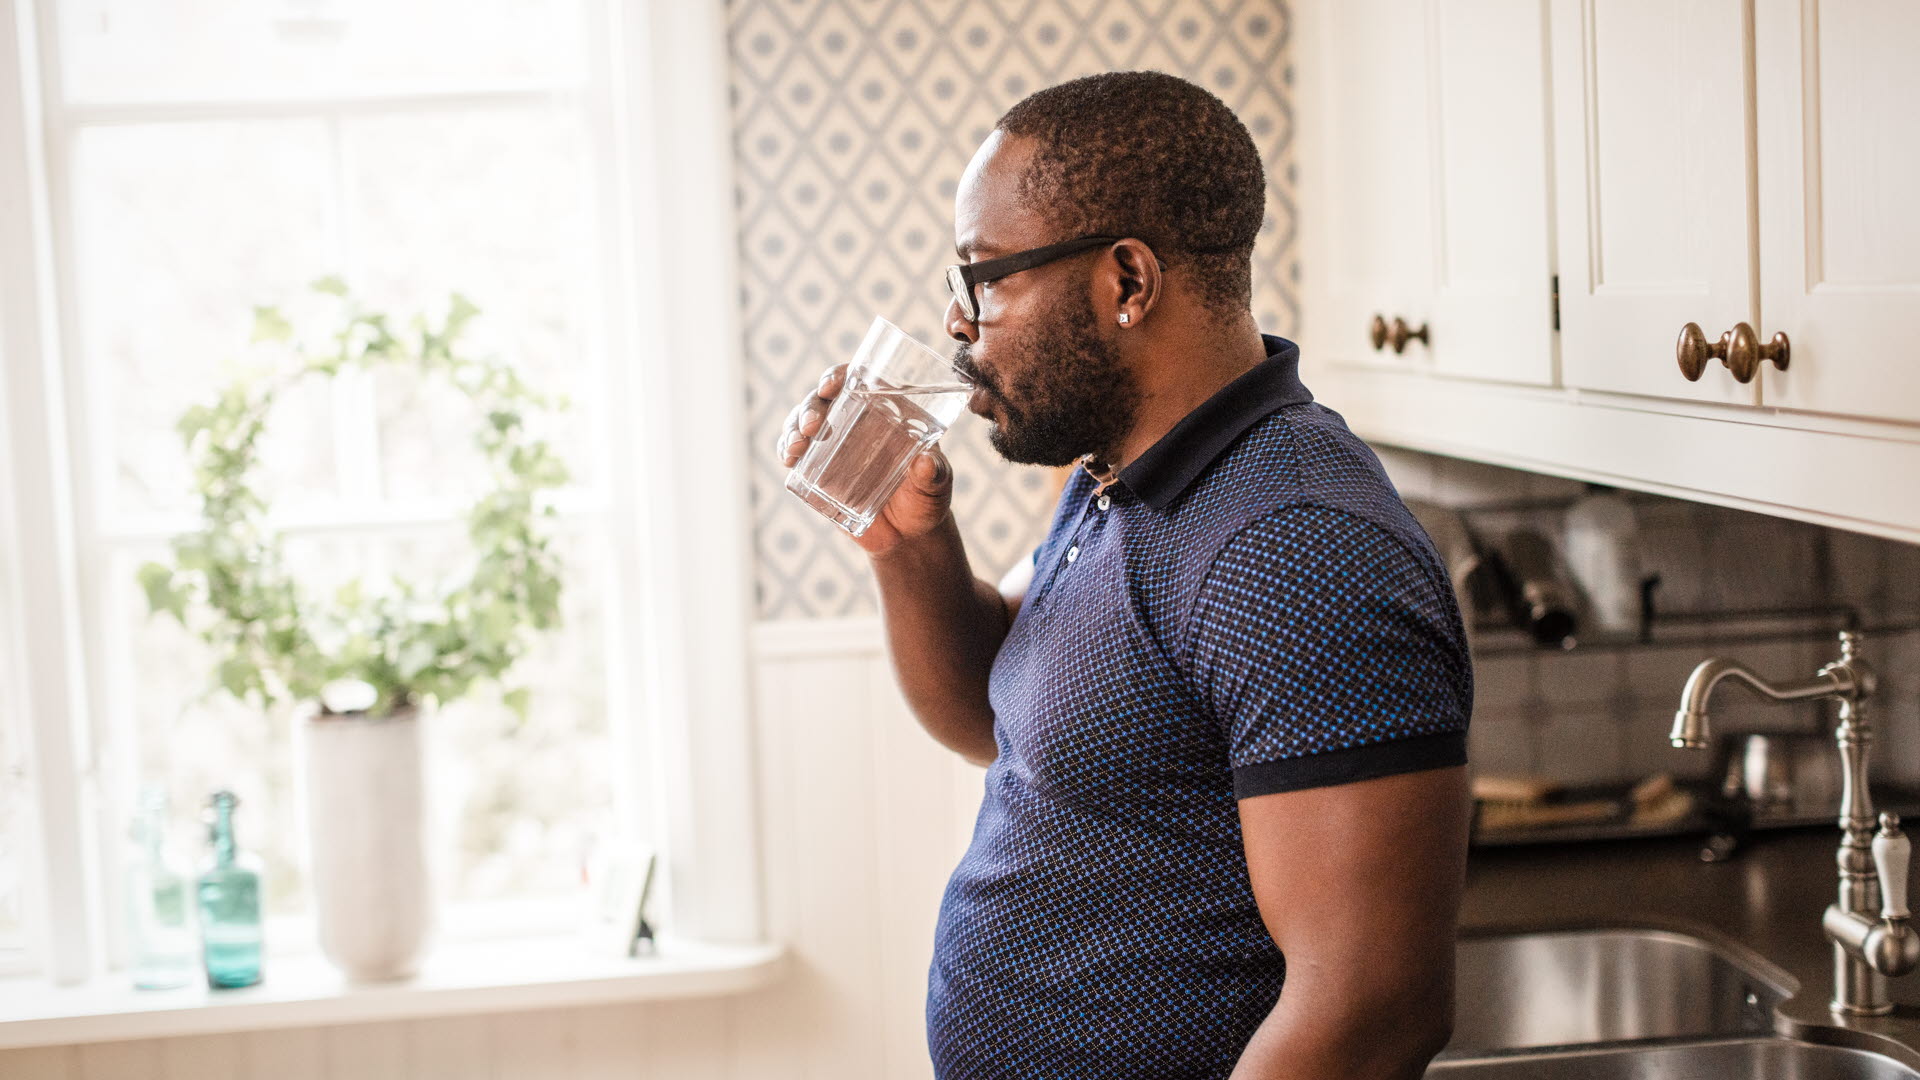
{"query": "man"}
pixel 1223 708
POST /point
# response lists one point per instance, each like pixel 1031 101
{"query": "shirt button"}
pixel 1073 553
pixel 1105 501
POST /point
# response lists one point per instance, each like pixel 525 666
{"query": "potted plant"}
pixel 365 664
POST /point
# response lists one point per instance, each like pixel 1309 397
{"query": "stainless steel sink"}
pixel 1566 988
pixel 1735 1059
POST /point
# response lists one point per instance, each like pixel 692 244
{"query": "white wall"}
pixel 861 819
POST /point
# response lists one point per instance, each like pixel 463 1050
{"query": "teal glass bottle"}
pixel 159 920
pixel 229 895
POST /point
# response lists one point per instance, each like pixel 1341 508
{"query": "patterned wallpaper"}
pixel 853 120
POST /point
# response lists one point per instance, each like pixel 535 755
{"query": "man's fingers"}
pixel 789 431
pixel 808 417
pixel 830 382
pixel 813 413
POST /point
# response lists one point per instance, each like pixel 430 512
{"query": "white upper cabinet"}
pixel 1838 119
pixel 1434 186
pixel 1379 206
pixel 1654 196
pixel 1492 307
pixel 1747 167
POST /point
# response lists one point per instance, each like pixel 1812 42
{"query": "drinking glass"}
pixel 899 398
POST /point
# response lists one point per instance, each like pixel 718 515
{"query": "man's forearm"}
pixel 1390 1043
pixel 944 626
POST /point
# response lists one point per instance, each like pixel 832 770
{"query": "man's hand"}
pixel 924 497
pixel 1359 884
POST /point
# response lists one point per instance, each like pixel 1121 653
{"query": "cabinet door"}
pixel 1652 170
pixel 1370 74
pixel 1838 118
pixel 1492 286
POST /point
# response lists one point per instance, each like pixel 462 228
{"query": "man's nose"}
pixel 958 326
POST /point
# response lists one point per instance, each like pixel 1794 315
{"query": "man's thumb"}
pixel 931 471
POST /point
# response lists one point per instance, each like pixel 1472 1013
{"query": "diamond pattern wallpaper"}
pixel 853 120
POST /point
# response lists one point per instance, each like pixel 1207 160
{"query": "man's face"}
pixel 1052 383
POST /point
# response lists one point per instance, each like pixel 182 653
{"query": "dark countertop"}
pixel 1764 903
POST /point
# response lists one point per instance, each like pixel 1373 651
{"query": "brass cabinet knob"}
pixel 1400 335
pixel 1745 354
pixel 1377 333
pixel 1739 349
pixel 1694 350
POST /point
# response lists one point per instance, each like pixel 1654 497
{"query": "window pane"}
pixel 496 205
pixel 194 743
pixel 16 806
pixel 520 800
pixel 513 803
pixel 13 825
pixel 180 230
pixel 143 51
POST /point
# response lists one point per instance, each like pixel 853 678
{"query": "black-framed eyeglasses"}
pixel 963 277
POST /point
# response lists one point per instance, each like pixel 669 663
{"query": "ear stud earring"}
pixel 1123 316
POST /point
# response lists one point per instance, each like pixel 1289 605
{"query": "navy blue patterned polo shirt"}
pixel 1249 608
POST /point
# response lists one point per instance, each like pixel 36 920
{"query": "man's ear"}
pixel 1139 282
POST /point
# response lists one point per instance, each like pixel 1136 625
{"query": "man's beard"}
pixel 1070 395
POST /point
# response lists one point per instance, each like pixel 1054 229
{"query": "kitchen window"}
pixel 180 163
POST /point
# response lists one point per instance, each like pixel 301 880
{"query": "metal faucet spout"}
pixel 1691 730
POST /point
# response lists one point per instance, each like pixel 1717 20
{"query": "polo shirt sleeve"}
pixel 1329 652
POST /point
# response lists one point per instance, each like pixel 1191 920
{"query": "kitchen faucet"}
pixel 1867 949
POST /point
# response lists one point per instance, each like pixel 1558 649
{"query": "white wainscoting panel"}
pixel 862 817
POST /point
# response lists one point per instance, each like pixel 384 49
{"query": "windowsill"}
pixel 471 977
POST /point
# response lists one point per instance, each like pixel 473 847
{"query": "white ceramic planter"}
pixel 364 806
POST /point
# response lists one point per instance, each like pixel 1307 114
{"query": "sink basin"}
pixel 1566 988
pixel 1734 1059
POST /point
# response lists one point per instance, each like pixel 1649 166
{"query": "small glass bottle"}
pixel 159 926
pixel 229 894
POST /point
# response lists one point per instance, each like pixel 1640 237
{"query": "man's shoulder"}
pixel 1307 545
pixel 1299 464
pixel 1301 505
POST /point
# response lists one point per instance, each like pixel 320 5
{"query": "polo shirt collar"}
pixel 1170 466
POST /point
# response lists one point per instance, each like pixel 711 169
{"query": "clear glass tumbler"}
pixel 899 398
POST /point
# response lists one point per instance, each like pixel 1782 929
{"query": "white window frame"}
pixel 678 516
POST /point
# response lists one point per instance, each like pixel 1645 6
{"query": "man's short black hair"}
pixel 1148 155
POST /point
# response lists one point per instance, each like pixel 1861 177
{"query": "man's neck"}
pixel 1181 373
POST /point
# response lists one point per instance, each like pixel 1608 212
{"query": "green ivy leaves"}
pixel 270 325
pixel 278 644
pixel 157 581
